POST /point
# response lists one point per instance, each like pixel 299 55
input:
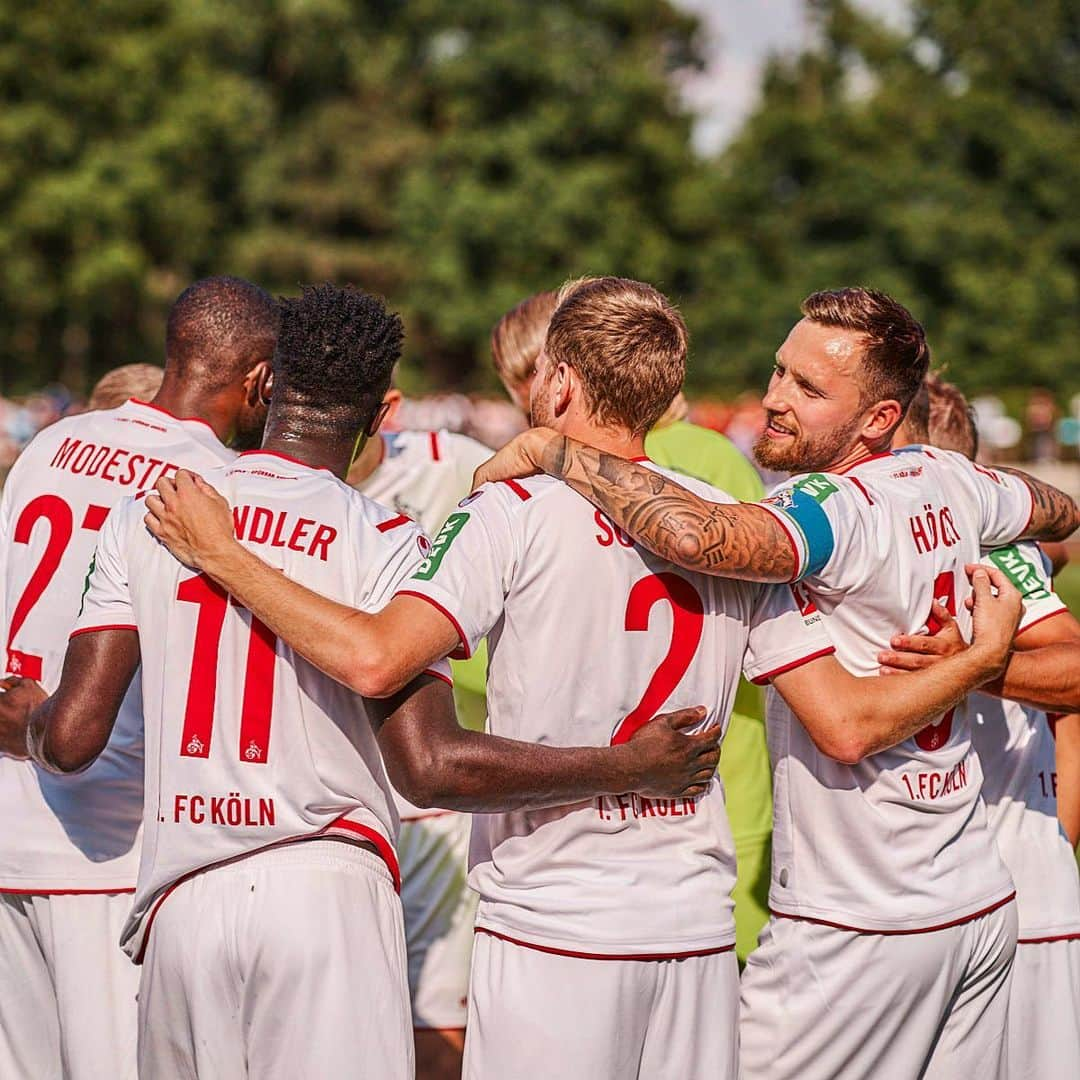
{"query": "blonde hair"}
pixel 951 424
pixel 518 337
pixel 128 381
pixel 627 343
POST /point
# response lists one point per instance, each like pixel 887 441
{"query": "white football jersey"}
pixel 1016 747
pixel 899 841
pixel 77 833
pixel 590 636
pixel 247 744
pixel 423 474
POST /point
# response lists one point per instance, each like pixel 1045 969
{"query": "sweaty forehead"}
pixel 825 350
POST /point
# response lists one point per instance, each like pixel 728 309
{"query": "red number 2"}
pixel 257 704
pixel 688 618
pixel 58 514
pixel 935 736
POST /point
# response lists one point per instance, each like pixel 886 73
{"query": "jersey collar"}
pixel 285 457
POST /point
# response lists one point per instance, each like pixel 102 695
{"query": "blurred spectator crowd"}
pixel 1044 433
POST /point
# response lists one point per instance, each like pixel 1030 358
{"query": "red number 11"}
pixel 258 697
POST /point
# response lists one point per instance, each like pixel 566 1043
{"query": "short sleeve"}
pixel 106 599
pixel 786 631
pixel 819 513
pixel 404 547
pixel 468 571
pixel 1005 504
pixel 1028 569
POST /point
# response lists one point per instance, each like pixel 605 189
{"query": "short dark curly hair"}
pixel 336 348
pixel 218 328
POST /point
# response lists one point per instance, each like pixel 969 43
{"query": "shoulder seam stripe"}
pixel 517 489
pixel 393 523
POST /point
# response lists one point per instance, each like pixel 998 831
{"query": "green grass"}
pixel 1067 584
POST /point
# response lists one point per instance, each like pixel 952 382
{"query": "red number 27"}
pixel 258 697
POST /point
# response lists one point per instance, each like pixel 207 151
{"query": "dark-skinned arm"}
pixel 433 761
pixel 724 539
pixel 66 732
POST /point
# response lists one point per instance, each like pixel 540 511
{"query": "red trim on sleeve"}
pixel 791 540
pixel 762 679
pixel 897 933
pixel 603 956
pixel 1041 619
pixel 96 629
pixel 462 653
pixel 393 523
pixel 858 483
pixel 439 675
pixel 517 489
pixel 1031 512
pixel 643 457
pixel 434 437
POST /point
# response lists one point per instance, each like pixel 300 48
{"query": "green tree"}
pixel 939 164
pixel 453 156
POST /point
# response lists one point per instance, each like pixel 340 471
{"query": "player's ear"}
pixel 392 399
pixel 259 384
pixel 881 420
pixel 379 417
pixel 564 388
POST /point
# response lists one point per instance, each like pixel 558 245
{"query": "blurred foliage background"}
pixel 457 156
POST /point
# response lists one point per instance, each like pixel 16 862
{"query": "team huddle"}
pixel 229 746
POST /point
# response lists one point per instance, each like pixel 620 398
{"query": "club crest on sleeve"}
pixel 471 497
pixel 424 544
pixel 785 499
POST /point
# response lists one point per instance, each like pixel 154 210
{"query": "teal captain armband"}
pixel 803 509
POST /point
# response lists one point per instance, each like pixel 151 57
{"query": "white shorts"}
pixel 820 1003
pixel 67 992
pixel 440 910
pixel 286 964
pixel 536 1016
pixel 1044 1012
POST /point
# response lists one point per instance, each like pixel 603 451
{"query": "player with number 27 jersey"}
pixel 247 745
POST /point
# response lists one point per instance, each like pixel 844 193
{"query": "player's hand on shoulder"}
pixel 519 457
pixel 189 517
pixel 19 699
pixel 913 652
pixel 669 761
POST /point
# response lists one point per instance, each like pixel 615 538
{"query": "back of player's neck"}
pixel 311 450
pixel 608 440
pixel 187 404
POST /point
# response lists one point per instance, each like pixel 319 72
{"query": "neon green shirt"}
pixel 744 762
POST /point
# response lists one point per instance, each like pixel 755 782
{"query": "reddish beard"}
pixel 805 453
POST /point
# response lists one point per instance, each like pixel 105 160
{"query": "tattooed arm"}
pixel 724 539
pixel 1054 515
